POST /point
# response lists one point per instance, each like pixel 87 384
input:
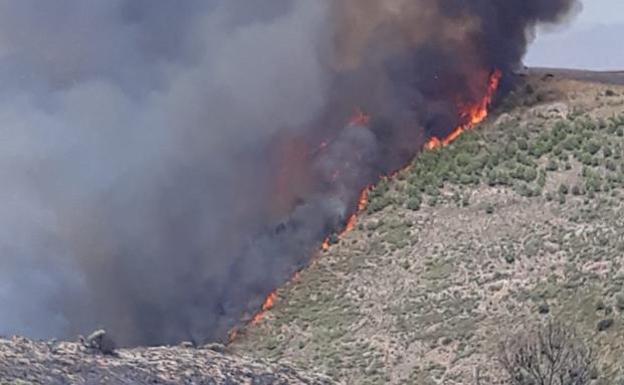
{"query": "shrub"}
pixel 619 302
pixel 552 165
pixel 541 179
pixel 576 190
pixel 523 145
pixel 563 189
pixel 530 174
pixel 414 204
pixel 547 355
pixel 592 147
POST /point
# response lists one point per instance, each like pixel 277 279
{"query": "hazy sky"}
pixel 592 40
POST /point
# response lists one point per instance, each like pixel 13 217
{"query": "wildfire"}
pixel 268 305
pixel 471 114
pixel 352 221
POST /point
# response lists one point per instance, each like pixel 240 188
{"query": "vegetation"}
pixel 548 355
pixel 511 224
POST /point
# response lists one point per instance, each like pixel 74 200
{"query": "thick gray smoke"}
pixel 166 164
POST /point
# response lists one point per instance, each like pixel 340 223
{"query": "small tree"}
pixel 548 355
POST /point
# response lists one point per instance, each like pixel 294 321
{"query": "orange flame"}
pixel 268 305
pixel 472 114
pixel 352 221
pixel 232 335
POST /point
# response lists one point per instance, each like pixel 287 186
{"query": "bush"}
pixel 530 174
pixel 523 145
pixel 547 355
pixel 576 190
pixel 552 165
pixel 592 147
pixel 414 204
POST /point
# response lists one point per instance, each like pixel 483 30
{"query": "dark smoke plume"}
pixel 166 164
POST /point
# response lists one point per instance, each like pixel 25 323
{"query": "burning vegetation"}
pixel 470 116
pixel 234 151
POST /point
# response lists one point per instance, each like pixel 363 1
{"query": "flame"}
pixel 471 114
pixel 363 201
pixel 352 221
pixel 269 303
pixel 232 335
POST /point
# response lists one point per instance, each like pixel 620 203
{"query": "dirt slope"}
pixel 519 221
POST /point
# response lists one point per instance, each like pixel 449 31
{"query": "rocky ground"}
pixel 519 221
pixel 25 362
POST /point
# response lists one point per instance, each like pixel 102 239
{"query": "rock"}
pixel 605 324
pixel 215 347
pixel 29 362
pixel 101 341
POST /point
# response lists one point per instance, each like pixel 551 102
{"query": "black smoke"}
pixel 165 165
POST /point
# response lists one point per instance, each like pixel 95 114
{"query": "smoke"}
pixel 165 165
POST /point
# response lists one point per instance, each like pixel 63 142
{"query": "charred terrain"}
pixel 517 221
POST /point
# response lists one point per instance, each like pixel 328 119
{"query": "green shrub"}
pixel 414 204
pixel 541 179
pixel 552 165
pixel 523 145
pixel 530 174
pixel 592 147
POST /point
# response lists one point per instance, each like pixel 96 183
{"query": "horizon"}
pixel 588 41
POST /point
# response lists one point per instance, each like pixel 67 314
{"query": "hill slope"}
pixel 25 362
pixel 518 221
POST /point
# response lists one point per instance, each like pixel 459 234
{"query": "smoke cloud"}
pixel 165 165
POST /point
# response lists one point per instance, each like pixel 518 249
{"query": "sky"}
pixel 591 40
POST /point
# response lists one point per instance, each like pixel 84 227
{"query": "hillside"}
pixel 25 362
pixel 517 221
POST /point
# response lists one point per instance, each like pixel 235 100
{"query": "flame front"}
pixel 268 305
pixel 471 114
